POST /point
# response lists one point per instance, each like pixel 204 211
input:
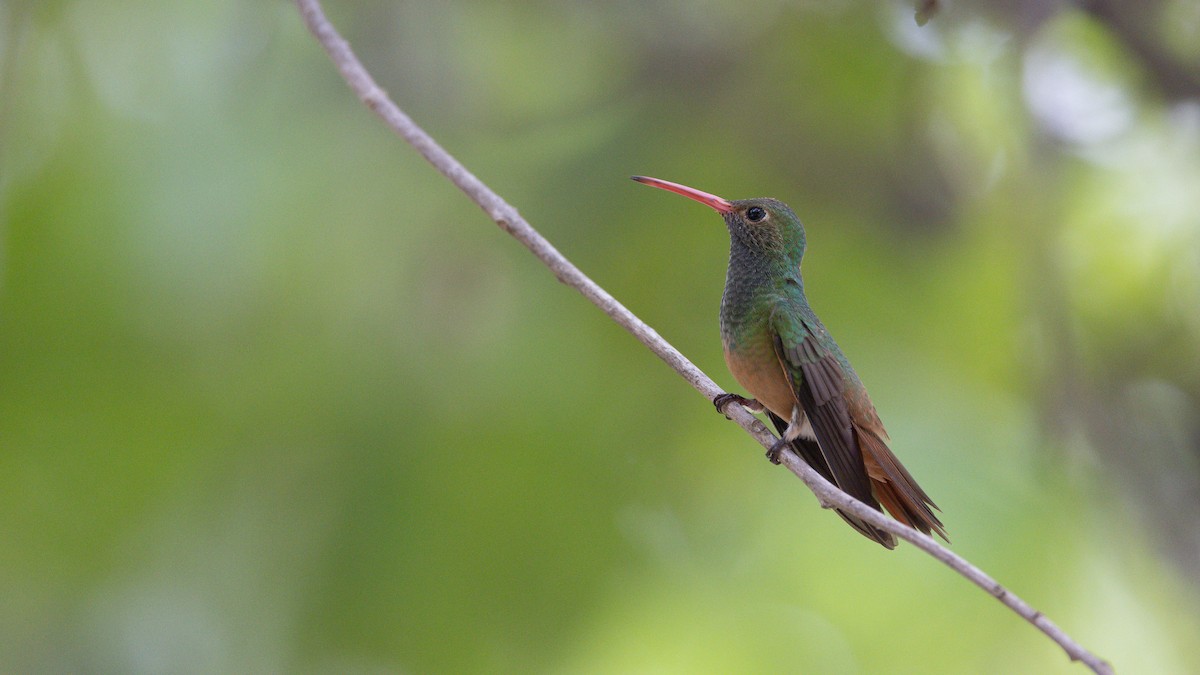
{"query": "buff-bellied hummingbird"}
pixel 779 350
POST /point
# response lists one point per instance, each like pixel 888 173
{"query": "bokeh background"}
pixel 275 398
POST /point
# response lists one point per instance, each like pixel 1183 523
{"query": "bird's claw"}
pixel 721 402
pixel 776 449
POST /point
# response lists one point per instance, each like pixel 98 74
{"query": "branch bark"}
pixel 500 211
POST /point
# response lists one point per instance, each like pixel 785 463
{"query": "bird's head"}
pixel 765 226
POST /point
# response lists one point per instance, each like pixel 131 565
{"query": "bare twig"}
pixel 510 221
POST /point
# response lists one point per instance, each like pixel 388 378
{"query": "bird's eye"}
pixel 755 214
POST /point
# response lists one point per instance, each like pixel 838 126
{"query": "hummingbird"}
pixel 777 348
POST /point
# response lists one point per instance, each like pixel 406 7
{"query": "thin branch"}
pixel 510 221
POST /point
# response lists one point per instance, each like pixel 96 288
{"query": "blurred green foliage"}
pixel 274 397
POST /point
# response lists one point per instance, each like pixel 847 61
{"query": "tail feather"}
pixel 895 487
pixel 882 537
pixel 811 453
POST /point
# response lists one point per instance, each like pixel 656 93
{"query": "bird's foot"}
pixel 776 449
pixel 721 402
pixel 791 433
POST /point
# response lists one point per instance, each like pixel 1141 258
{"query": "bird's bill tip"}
pixel 719 204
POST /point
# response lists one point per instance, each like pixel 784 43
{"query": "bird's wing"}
pixel 816 379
